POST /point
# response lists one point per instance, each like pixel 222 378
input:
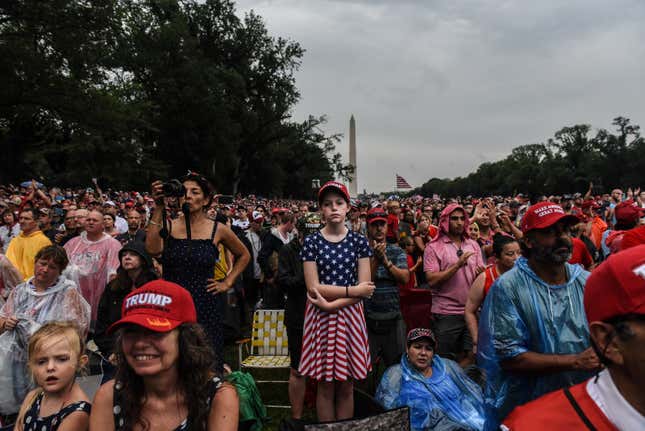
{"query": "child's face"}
pixel 55 364
pixel 334 208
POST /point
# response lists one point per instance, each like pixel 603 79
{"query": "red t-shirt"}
pixel 491 276
pixel 580 254
pixel 553 411
pixel 393 226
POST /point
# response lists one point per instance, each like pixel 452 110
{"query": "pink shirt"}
pixel 450 296
pixel 93 262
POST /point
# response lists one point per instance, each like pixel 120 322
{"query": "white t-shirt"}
pixel 609 399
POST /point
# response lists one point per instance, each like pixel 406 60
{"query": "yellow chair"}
pixel 267 348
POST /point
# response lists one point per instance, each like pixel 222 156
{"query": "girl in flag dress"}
pixel 336 266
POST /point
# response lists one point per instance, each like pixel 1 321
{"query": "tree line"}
pixel 566 163
pixel 131 90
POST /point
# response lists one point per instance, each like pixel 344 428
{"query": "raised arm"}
pixel 154 242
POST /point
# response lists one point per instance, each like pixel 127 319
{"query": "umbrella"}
pixel 28 183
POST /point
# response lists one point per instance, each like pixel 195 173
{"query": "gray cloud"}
pixel 438 87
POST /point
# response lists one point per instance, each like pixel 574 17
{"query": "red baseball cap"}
pixel 628 211
pixel 617 286
pixel 590 203
pixel 543 215
pixel 335 186
pixel 420 333
pixel 376 214
pixel 159 305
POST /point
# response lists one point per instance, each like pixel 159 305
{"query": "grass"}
pixel 271 393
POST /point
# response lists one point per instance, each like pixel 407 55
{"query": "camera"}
pixel 173 188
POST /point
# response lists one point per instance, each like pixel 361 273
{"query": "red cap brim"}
pixel 377 219
pixel 153 323
pixel 569 218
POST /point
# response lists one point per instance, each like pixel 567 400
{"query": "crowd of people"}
pixel 479 312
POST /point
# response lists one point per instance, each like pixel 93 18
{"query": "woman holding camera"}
pixel 189 252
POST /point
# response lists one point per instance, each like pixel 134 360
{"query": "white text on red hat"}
pixel 549 209
pixel 148 299
pixel 640 271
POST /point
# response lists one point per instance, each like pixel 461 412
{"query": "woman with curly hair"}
pixel 165 379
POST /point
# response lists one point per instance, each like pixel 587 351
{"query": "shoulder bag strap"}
pixel 578 410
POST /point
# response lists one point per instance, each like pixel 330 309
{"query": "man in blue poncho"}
pixel 439 394
pixel 533 331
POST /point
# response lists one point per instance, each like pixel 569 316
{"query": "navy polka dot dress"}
pixel 190 263
pixel 33 422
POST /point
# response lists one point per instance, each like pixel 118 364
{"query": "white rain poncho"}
pixel 9 278
pixel 522 313
pixel 61 302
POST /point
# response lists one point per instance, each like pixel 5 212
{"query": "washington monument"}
pixel 353 184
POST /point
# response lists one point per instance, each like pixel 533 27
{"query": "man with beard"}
pixel 134 233
pixel 533 334
pixel 614 399
pixel 451 262
pixel 23 248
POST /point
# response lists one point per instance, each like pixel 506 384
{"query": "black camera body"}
pixel 173 189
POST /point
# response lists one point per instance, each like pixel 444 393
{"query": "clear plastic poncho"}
pixel 10 277
pixel 61 302
pixel 523 313
pixel 446 401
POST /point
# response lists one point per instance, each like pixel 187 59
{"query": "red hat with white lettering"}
pixel 545 214
pixel 333 186
pixel 159 305
pixel 617 286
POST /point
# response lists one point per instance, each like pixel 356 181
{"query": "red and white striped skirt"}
pixel 334 345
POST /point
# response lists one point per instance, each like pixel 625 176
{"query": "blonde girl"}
pixel 58 403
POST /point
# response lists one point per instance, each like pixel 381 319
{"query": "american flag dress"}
pixel 334 345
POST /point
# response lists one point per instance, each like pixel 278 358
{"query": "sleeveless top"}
pixel 33 422
pixel 190 263
pixel 119 417
pixel 491 276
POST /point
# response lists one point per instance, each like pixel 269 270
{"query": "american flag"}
pixel 401 183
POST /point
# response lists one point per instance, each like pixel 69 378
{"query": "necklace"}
pixel 460 252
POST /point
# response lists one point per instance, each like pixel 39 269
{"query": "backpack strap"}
pixel 578 410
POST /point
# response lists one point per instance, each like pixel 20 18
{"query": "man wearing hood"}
pixel 533 334
pixel 94 256
pixel 451 263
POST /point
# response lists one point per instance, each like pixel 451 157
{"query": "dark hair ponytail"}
pixel 499 241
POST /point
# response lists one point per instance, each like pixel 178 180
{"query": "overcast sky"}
pixel 438 87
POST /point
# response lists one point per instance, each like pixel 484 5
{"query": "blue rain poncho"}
pixel 447 400
pixel 522 313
